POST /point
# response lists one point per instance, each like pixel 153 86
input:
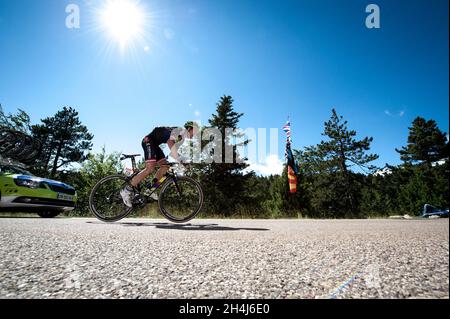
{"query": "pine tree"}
pixel 19 122
pixel 336 187
pixel 342 150
pixel 426 143
pixel 65 140
pixel 225 183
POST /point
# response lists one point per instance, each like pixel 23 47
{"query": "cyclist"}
pixel 174 137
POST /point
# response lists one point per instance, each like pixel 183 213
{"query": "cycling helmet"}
pixel 190 124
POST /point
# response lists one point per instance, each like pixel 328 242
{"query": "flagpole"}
pixel 290 161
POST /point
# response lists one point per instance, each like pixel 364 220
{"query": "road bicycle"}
pixel 180 197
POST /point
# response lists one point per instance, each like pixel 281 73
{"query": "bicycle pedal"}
pixel 139 200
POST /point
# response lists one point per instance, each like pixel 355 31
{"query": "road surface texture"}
pixel 151 258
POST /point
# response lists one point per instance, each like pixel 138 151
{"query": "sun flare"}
pixel 123 20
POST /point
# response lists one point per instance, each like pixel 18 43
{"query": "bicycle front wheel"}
pixel 105 201
pixel 181 199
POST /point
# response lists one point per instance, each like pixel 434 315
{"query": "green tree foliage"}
pixel 65 141
pixel 426 143
pixel 334 186
pixel 406 189
pixel 425 185
pixel 19 122
pixel 226 184
pixel 94 168
pixel 422 179
pixel 379 195
pixel 342 151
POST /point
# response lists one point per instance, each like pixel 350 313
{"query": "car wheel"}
pixel 48 214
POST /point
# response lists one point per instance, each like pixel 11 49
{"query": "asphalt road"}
pixel 142 258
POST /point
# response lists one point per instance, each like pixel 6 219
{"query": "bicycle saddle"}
pixel 125 156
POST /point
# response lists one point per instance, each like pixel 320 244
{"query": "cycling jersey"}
pixel 151 143
pixel 161 135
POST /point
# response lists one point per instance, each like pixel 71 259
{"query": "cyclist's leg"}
pixel 162 161
pixel 149 168
pixel 163 168
pixel 150 156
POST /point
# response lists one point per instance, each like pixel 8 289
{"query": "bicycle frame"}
pixel 169 174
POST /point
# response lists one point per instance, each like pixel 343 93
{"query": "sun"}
pixel 123 20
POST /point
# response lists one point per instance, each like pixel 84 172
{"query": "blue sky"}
pixel 276 58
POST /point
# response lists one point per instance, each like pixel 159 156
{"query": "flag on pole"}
pixel 292 179
pixel 290 161
pixel 292 169
pixel 287 130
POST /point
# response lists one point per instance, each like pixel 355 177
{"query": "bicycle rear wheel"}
pixel 105 201
pixel 180 199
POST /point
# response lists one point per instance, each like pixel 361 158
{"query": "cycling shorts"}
pixel 152 151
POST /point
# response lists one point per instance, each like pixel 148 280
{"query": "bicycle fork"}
pixel 177 186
